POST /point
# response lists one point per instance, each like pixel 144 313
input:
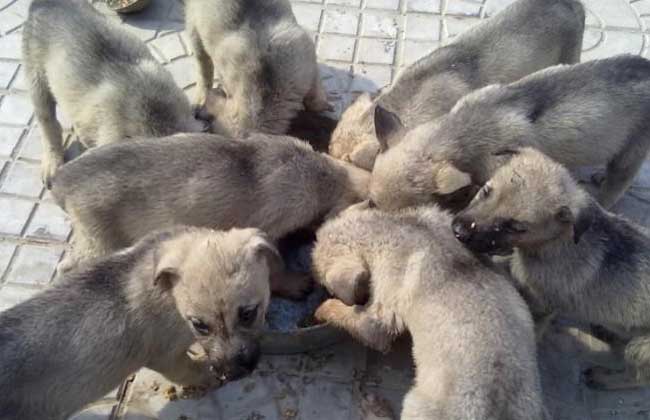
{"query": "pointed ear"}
pixel 450 179
pixel 581 223
pixel 349 281
pixel 166 278
pixel 259 247
pixel 388 127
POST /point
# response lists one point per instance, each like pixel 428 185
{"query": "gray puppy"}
pixel 118 193
pixel 473 339
pixel 143 306
pixel 587 114
pixel 570 254
pixel 265 63
pixel 103 78
pixel 527 36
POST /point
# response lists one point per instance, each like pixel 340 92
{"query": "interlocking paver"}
pixel 34 265
pixel 363 35
pixel 14 214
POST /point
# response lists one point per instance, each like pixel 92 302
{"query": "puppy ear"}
pixel 258 246
pixel 388 127
pixel 364 155
pixel 166 278
pixel 581 223
pixel 450 179
pixel 349 281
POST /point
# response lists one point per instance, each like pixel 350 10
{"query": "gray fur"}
pixel 527 36
pixel 118 193
pixel 79 339
pixel 572 256
pixel 264 61
pixel 473 339
pixel 582 115
pixel 103 78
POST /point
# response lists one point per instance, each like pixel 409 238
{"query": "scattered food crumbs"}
pixel 170 393
pixel 290 413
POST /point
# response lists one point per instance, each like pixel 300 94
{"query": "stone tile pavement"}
pixel 362 44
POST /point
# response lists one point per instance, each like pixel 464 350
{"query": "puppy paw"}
pixel 329 310
pixel 292 285
pixel 49 167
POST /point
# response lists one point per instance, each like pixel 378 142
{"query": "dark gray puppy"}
pixel 588 114
pixel 118 193
pixel 525 37
pixel 102 77
pixel 569 254
pixel 143 306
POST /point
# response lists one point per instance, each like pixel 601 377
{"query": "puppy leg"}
pixel 316 98
pixel 359 321
pixel 45 111
pixel 622 170
pixel 205 76
pixel 182 370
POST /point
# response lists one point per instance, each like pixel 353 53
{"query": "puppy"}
pixel 573 256
pixel 473 339
pixel 583 115
pixel 102 77
pixel 527 36
pixel 118 193
pixel 141 307
pixel 265 63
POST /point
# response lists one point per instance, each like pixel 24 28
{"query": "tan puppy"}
pixel 570 254
pixel 143 306
pixel 102 77
pixel 473 339
pixel 265 63
pixel 527 36
pixel 118 193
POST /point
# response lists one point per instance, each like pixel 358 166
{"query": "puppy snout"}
pixel 463 229
pixel 248 356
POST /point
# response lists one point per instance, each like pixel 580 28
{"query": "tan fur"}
pixel 473 339
pixel 264 61
pixel 532 34
pixel 570 254
pixel 137 308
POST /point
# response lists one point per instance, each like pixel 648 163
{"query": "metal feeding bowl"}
pixel 127 6
pixel 290 327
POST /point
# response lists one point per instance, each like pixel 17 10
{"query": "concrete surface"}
pixel 362 44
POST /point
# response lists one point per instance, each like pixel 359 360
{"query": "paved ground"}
pixel 362 44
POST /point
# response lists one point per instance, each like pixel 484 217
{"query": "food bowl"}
pixel 127 6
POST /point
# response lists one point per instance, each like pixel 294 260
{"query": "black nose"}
pixel 248 356
pixel 462 229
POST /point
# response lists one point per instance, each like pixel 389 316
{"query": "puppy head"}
pixel 416 171
pixel 235 111
pixel 220 285
pixel 528 202
pixel 355 127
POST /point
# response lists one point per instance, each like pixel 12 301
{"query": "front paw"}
pixel 49 166
pixel 329 310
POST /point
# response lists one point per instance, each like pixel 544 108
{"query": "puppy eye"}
pixel 514 226
pixel 199 326
pixel 248 315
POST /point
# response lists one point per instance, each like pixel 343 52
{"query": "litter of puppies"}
pixel 469 156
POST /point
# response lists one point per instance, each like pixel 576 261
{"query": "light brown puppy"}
pixel 473 339
pixel 532 34
pixel 140 307
pixel 118 193
pixel 264 61
pixel 567 252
